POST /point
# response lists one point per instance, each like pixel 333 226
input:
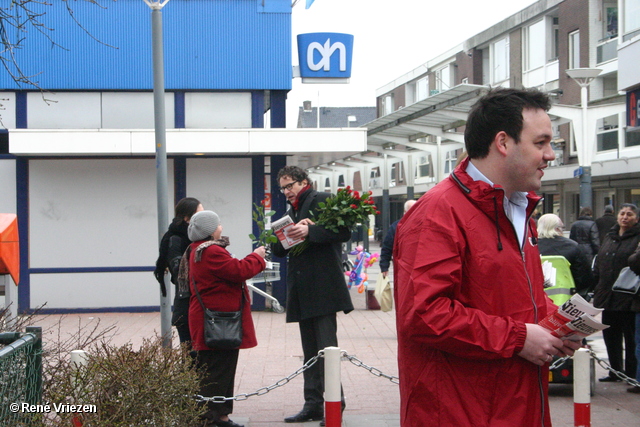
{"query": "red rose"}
pixel 354 207
pixel 356 195
pixel 377 212
pixel 370 192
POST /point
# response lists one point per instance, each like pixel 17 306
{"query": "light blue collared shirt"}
pixel 515 208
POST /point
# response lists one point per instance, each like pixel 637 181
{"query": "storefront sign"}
pixel 325 56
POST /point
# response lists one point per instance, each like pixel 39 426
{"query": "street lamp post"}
pixel 161 153
pixel 584 77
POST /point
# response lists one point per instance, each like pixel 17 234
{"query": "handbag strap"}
pixel 202 303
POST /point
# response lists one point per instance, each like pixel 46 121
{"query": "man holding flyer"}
pixel 469 282
pixel 316 287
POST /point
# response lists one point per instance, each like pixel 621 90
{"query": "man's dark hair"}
pixel 294 172
pixel 586 211
pixel 499 110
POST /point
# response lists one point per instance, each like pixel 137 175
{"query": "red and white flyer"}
pixel 281 229
pixel 575 319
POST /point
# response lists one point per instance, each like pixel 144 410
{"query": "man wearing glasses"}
pixel 316 288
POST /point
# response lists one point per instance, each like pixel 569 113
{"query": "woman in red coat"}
pixel 220 280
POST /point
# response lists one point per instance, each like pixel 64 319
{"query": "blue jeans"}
pixel 638 345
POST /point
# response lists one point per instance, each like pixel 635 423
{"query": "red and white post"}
pixel 581 388
pixel 332 398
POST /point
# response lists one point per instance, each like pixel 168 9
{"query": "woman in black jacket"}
pixel 619 308
pixel 173 244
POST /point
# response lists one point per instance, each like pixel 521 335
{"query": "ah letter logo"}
pixel 325 55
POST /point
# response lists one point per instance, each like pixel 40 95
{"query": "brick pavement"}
pixel 368 335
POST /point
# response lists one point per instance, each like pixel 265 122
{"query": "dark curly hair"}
pixel 294 172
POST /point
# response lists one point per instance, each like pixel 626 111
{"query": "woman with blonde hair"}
pixel 551 241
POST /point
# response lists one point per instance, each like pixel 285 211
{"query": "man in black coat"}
pixel 316 286
pixel 585 232
pixel 605 222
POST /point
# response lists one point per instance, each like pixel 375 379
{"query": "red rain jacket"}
pixel 464 291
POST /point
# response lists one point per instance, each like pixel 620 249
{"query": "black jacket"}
pixel 585 232
pixel 386 251
pixel 604 224
pixel 316 284
pixel 580 264
pixel 613 257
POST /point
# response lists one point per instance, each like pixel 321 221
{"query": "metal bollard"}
pixel 581 388
pixel 332 399
pixel 78 360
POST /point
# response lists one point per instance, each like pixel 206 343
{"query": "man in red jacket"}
pixel 469 284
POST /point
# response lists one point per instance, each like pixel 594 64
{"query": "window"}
pixel 574 49
pixel 500 61
pixel 535 55
pixel 387 104
pixel 611 20
pixel 424 167
pixel 555 40
pixel 607 133
pixel 632 139
pixel 422 89
pixel 450 160
pixel 443 79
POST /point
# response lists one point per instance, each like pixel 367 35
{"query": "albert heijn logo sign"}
pixel 325 57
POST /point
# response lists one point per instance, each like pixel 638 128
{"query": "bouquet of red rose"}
pixel 346 209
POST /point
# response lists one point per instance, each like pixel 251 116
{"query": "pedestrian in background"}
pixel 220 280
pixel 605 222
pixel 551 241
pixel 386 251
pixel 316 287
pixel 634 264
pixel 469 282
pixel 585 232
pixel 172 246
pixel 619 308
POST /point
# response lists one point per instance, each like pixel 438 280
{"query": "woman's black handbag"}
pixel 627 282
pixel 222 329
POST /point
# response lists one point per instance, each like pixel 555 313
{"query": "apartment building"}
pixel 416 139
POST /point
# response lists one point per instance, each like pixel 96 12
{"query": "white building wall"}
pixel 87 213
pixel 8 186
pixel 223 185
pixel 219 110
pixel 7 110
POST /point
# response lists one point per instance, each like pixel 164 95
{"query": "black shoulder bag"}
pixel 222 329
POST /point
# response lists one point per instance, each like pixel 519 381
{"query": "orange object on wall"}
pixel 9 246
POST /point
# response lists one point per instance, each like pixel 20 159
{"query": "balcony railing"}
pixel 607 50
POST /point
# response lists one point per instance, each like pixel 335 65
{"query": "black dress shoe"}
pixel 609 379
pixel 305 415
pixel 229 423
pixel 634 389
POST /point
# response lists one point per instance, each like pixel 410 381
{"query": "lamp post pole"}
pixel 586 192
pixel 161 153
pixel 584 77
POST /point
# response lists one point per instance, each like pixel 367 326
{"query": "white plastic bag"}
pixel 383 293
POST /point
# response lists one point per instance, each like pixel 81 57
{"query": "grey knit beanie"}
pixel 202 225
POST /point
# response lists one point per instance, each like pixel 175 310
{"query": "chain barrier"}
pixel 263 390
pixel 605 365
pixel 375 371
pixel 378 373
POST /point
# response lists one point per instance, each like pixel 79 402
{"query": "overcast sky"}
pixel 390 39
